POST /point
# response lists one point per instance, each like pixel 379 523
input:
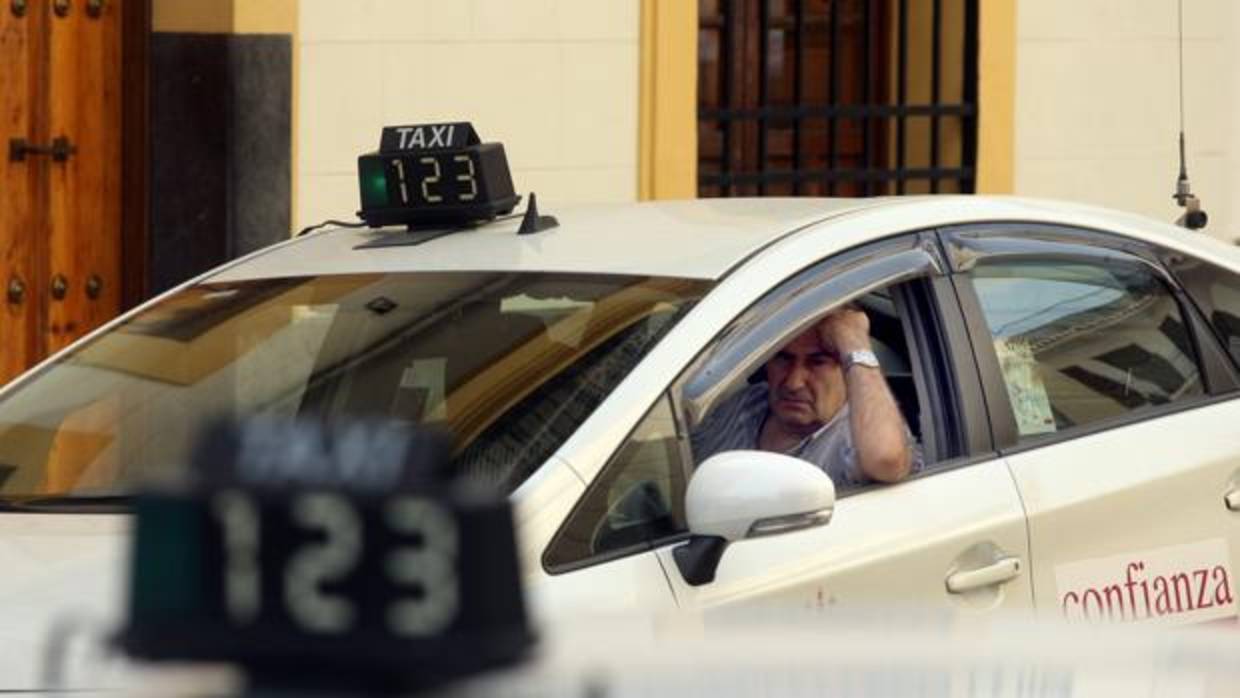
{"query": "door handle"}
pixel 1232 499
pixel 1004 569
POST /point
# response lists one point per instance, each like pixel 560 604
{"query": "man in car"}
pixel 824 400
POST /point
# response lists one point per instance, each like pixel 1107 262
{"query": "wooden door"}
pixel 20 190
pixel 84 196
pixel 60 212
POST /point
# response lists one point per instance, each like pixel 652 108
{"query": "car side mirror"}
pixel 736 495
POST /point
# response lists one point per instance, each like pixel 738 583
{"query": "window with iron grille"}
pixel 836 97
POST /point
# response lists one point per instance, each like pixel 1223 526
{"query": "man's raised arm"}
pixel 878 430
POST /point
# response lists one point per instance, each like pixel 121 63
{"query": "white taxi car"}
pixel 1072 376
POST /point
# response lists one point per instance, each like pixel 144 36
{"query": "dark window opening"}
pixel 1178 334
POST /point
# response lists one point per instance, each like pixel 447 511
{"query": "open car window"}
pixel 509 364
pixel 735 421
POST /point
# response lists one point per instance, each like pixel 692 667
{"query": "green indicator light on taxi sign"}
pixel 374 183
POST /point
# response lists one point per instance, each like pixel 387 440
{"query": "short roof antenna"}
pixel 531 222
pixel 1194 218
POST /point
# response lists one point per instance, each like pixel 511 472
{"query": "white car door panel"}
pixel 629 587
pixel 1109 400
pixel 60 570
pixel 962 527
pixel 1116 517
pixel 884 546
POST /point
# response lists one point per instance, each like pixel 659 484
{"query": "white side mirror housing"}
pixel 736 495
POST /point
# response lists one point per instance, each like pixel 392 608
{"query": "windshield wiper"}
pixel 67 503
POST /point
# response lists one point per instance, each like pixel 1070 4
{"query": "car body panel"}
pixel 540 504
pixel 883 547
pixel 694 239
pixel 631 586
pixel 61 571
pixel 1135 494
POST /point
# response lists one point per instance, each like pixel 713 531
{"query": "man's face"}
pixel 806 384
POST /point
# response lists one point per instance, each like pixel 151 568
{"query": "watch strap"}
pixel 860 358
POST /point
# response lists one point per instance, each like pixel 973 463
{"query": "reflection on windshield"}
pixel 510 364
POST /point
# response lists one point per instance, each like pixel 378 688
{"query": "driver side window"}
pixel 818 396
pixel 635 503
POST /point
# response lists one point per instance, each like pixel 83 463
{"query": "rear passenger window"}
pixel 1080 343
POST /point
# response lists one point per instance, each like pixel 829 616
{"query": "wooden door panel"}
pixel 19 190
pixel 85 191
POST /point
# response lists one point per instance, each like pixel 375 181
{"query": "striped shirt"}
pixel 737 422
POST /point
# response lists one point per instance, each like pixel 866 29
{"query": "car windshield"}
pixel 510 364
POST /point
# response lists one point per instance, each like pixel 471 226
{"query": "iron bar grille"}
pixel 837 97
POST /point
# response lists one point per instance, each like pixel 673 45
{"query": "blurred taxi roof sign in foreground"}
pixel 326 557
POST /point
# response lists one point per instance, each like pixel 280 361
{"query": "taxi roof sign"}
pixel 428 175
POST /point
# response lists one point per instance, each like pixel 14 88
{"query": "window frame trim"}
pixel 1196 296
pixel 1218 372
pixel 966 245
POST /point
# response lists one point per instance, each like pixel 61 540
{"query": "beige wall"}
pixel 555 80
pixel 1096 104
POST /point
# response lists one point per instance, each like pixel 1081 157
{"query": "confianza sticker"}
pixel 1177 584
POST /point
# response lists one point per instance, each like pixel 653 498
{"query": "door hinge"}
pixel 60 149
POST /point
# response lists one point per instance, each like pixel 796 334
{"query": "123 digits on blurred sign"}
pixel 418 574
pixel 363 557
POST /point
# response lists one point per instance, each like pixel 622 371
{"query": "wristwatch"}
pixel 860 358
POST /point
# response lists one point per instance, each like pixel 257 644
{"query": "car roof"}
pixel 697 238
pixel 700 238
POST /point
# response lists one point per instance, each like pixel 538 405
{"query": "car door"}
pixel 951 537
pixel 1115 407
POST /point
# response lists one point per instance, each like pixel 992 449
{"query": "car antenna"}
pixel 1194 218
pixel 532 222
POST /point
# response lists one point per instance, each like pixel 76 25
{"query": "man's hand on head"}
pixel 845 330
